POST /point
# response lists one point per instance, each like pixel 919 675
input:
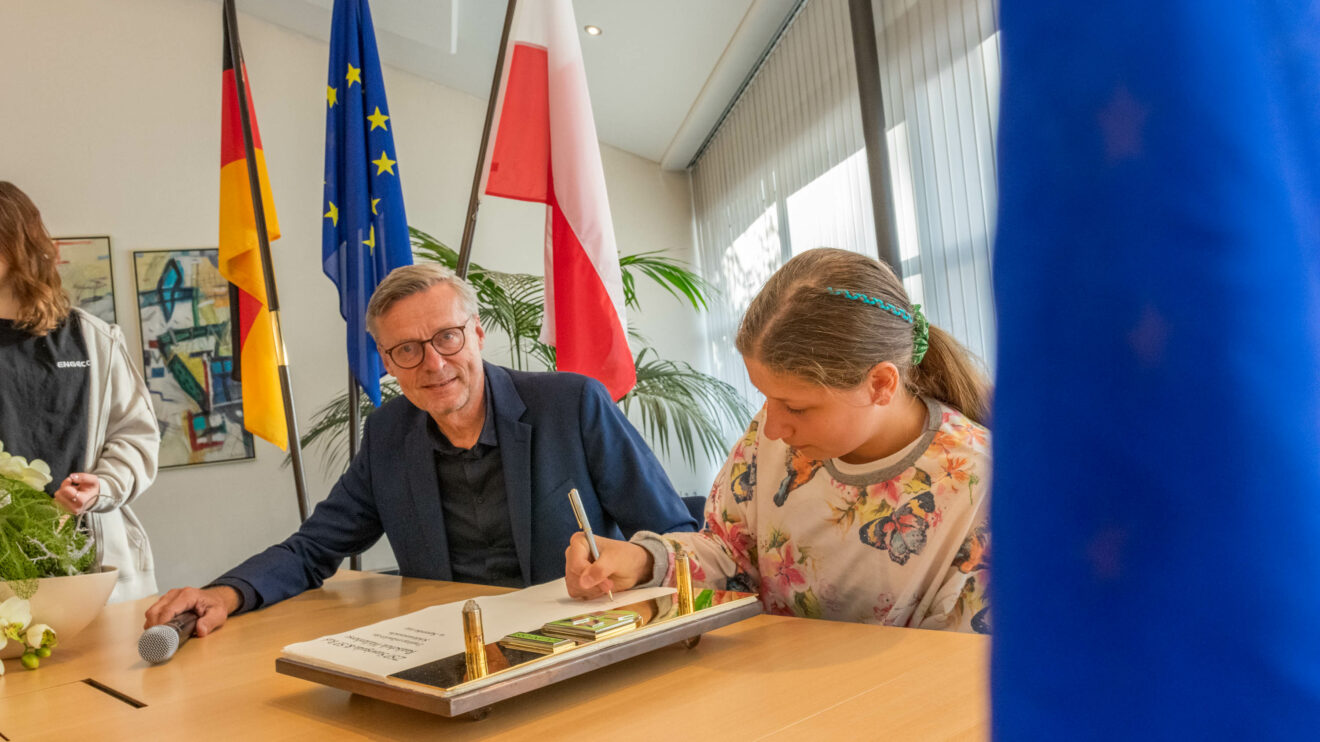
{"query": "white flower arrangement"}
pixel 35 473
pixel 16 624
pixel 38 639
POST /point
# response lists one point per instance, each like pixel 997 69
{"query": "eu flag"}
pixel 364 233
pixel 1157 414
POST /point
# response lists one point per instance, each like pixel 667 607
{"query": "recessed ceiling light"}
pixel 592 30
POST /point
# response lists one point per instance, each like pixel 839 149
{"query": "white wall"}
pixel 111 122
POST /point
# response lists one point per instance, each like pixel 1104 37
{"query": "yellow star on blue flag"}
pixel 364 234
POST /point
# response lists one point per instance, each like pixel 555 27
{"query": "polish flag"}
pixel 543 148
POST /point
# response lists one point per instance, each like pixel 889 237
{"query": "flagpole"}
pixel 267 266
pixel 354 425
pixel 470 223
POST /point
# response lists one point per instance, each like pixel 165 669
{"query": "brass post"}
pixel 683 574
pixel 474 641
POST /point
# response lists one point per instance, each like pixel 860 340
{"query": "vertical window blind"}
pixel 939 67
pixel 785 171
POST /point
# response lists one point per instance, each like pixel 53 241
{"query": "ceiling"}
pixel 660 75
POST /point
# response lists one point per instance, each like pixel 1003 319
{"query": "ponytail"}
pixel 948 373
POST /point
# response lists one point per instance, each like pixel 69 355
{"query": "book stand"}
pixel 441 687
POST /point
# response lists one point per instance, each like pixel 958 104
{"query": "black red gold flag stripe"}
pixel 255 343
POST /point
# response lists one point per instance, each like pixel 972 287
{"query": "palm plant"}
pixel 677 404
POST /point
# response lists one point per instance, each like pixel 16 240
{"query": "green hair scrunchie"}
pixel 920 335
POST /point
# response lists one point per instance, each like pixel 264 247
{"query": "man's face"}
pixel 441 385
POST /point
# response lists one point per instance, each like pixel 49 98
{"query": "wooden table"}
pixel 765 678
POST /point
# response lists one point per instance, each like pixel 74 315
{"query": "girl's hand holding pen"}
pixel 621 566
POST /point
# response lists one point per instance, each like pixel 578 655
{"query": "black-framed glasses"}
pixel 447 341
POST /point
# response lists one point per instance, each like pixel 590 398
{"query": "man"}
pixel 468 475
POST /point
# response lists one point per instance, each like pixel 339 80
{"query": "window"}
pixel 786 171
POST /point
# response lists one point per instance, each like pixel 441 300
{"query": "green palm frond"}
pixel 636 339
pixel 543 353
pixel 677 404
pixel 328 433
pixel 516 309
pixel 427 246
pixel 669 273
pixel 681 404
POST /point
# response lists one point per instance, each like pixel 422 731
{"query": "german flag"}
pixel 256 362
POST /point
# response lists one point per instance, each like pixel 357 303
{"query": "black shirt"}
pixel 476 507
pixel 44 388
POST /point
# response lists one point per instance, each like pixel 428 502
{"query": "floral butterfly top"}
pixel 900 542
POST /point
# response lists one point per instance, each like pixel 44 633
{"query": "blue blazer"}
pixel 555 430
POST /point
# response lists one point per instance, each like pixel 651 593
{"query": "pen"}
pixel 575 500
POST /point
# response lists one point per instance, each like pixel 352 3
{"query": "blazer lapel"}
pixel 515 440
pixel 424 492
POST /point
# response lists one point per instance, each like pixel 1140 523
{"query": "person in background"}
pixel 860 491
pixel 70 396
pixel 467 472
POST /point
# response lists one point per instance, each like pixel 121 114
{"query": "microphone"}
pixel 159 643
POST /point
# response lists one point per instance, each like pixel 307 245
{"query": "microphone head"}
pixel 158 644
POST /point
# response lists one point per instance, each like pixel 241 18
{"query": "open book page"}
pixel 436 632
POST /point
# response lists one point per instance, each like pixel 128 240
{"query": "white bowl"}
pixel 66 604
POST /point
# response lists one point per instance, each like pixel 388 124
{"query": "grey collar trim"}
pixel 934 417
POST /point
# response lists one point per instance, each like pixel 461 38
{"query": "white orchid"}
pixel 40 636
pixel 35 474
pixel 15 615
pixel 37 641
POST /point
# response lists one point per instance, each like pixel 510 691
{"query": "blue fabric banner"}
pixel 1157 420
pixel 364 232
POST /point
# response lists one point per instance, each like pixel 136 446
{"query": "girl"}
pixel 860 490
pixel 70 397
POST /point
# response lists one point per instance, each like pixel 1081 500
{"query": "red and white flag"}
pixel 543 148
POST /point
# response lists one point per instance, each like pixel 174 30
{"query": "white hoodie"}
pixel 123 444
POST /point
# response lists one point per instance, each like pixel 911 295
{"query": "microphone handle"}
pixel 184 623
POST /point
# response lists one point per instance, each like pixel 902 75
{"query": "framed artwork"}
pixel 85 272
pixel 187 356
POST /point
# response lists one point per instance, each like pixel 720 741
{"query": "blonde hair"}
pixel 30 263
pixel 407 280
pixel 797 325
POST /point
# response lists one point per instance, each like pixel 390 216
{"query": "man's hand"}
pixel 78 491
pixel 621 565
pixel 212 606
